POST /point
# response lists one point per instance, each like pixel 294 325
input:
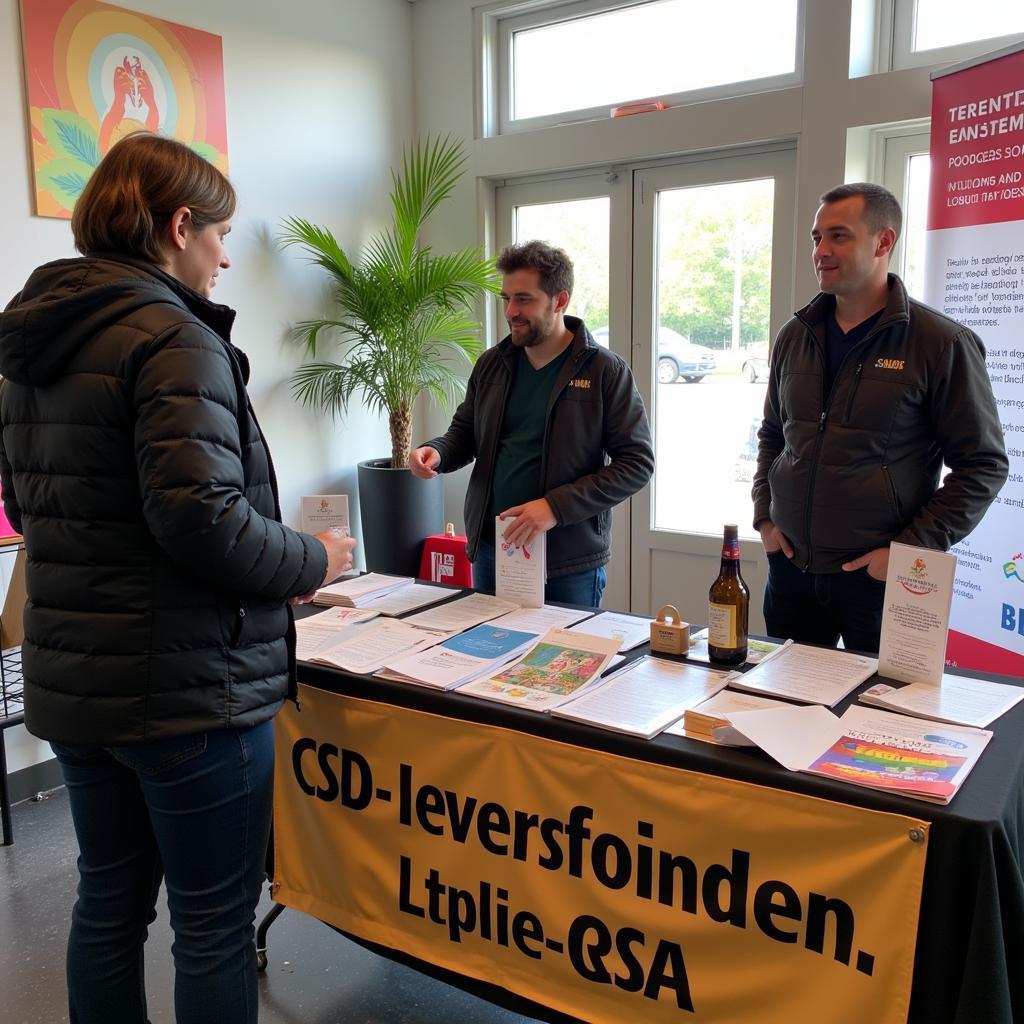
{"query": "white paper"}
pixel 915 614
pixel 812 675
pixel 316 631
pixel 358 590
pixel 462 614
pixel 793 736
pixel 630 630
pixel 366 648
pixel 408 598
pixel 540 620
pixel 699 720
pixel 322 511
pixel 960 700
pixel 643 697
pixel 520 571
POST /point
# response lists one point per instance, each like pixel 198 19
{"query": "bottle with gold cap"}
pixel 728 606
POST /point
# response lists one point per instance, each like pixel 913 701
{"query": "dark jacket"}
pixel 842 475
pixel 157 568
pixel 594 415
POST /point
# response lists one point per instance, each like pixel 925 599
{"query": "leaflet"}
pixel 462 614
pixel 520 570
pixel 643 697
pixel 408 598
pixel 316 631
pixel 357 591
pixel 866 747
pixel 630 630
pixel 460 659
pixel 959 700
pixel 366 648
pixel 915 614
pixel 324 511
pixel 757 650
pixel 556 668
pixel 701 721
pixel 540 620
pixel 812 675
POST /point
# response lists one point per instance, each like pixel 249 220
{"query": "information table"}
pixel 791 925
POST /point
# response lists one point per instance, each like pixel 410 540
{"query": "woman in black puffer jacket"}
pixel 158 638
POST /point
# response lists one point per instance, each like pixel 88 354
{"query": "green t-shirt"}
pixel 520 446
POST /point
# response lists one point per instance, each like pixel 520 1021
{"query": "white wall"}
pixel 319 105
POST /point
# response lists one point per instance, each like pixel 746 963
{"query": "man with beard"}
pixel 869 394
pixel 557 429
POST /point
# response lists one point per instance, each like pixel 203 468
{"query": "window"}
pixel 576 61
pixel 938 31
pixel 901 163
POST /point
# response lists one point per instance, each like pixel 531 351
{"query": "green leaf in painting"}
pixel 64 178
pixel 70 135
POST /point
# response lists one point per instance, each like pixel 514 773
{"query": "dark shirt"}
pixel 521 444
pixel 838 345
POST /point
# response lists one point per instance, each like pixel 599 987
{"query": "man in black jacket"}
pixel 870 393
pixel 557 429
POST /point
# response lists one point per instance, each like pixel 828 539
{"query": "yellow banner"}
pixel 604 887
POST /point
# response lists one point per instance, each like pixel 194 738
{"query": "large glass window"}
pixel 584 58
pixel 939 23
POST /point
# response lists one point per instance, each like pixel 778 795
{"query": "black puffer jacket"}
pixel 157 568
pixel 844 473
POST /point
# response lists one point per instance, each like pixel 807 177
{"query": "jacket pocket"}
pixel 894 498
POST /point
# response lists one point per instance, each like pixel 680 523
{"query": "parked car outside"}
pixel 677 357
pixel 755 365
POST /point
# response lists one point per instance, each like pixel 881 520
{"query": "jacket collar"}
pixel 896 311
pixel 582 343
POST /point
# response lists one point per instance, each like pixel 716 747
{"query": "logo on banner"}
pixel 1015 567
pixel 442 566
pixel 915 583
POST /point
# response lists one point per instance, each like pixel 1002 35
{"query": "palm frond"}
pixel 321 247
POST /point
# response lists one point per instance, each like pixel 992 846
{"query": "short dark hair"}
pixel 553 266
pixel 133 193
pixel 881 207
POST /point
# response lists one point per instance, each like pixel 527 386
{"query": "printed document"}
pixel 323 511
pixel 915 614
pixel 520 570
pixel 630 630
pixel 700 722
pixel 409 598
pixel 757 650
pixel 461 614
pixel 366 648
pixel 959 700
pixel 358 590
pixel 316 631
pixel 540 620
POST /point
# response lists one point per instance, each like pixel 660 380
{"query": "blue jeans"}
pixel 818 608
pixel 583 588
pixel 194 810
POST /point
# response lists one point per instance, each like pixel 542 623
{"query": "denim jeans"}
pixel 583 588
pixel 194 810
pixel 817 608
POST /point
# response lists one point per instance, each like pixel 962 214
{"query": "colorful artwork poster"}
pixel 560 670
pixel 96 73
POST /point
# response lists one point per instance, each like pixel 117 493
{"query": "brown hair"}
pixel 881 207
pixel 132 195
pixel 553 266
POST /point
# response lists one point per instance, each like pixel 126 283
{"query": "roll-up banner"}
pixel 974 272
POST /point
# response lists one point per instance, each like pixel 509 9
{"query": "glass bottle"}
pixel 728 606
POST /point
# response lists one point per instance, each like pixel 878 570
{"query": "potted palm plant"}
pixel 403 325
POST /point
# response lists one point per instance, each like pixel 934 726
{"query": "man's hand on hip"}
pixel 774 539
pixel 877 563
pixel 528 521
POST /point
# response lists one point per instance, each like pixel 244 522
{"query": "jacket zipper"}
pixel 893 497
pixel 239 625
pixel 579 361
pixel 853 393
pixel 492 457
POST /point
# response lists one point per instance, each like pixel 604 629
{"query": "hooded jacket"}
pixel 157 569
pixel 843 473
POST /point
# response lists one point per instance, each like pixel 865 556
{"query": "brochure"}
pixel 409 598
pixel 366 648
pixel 756 649
pixel 959 700
pixel 540 620
pixel 316 631
pixel 643 697
pixel 701 721
pixel 460 659
pixel 630 630
pixel 520 570
pixel 461 614
pixel 322 511
pixel 811 675
pixel 551 672
pixel 358 591
pixel 866 747
pixel 915 614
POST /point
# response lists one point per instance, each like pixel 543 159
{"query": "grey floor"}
pixel 315 976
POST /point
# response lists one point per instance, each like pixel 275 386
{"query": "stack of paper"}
pixel 460 659
pixel 520 570
pixel 643 697
pixel 359 590
pixel 462 614
pixel 314 632
pixel 959 700
pixel 540 620
pixel 559 665
pixel 811 675
pixel 757 650
pixel 366 648
pixel 700 722
pixel 630 630
pixel 876 749
pixel 408 598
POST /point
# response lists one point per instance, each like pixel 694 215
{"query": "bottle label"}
pixel 722 625
pixel 731 550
